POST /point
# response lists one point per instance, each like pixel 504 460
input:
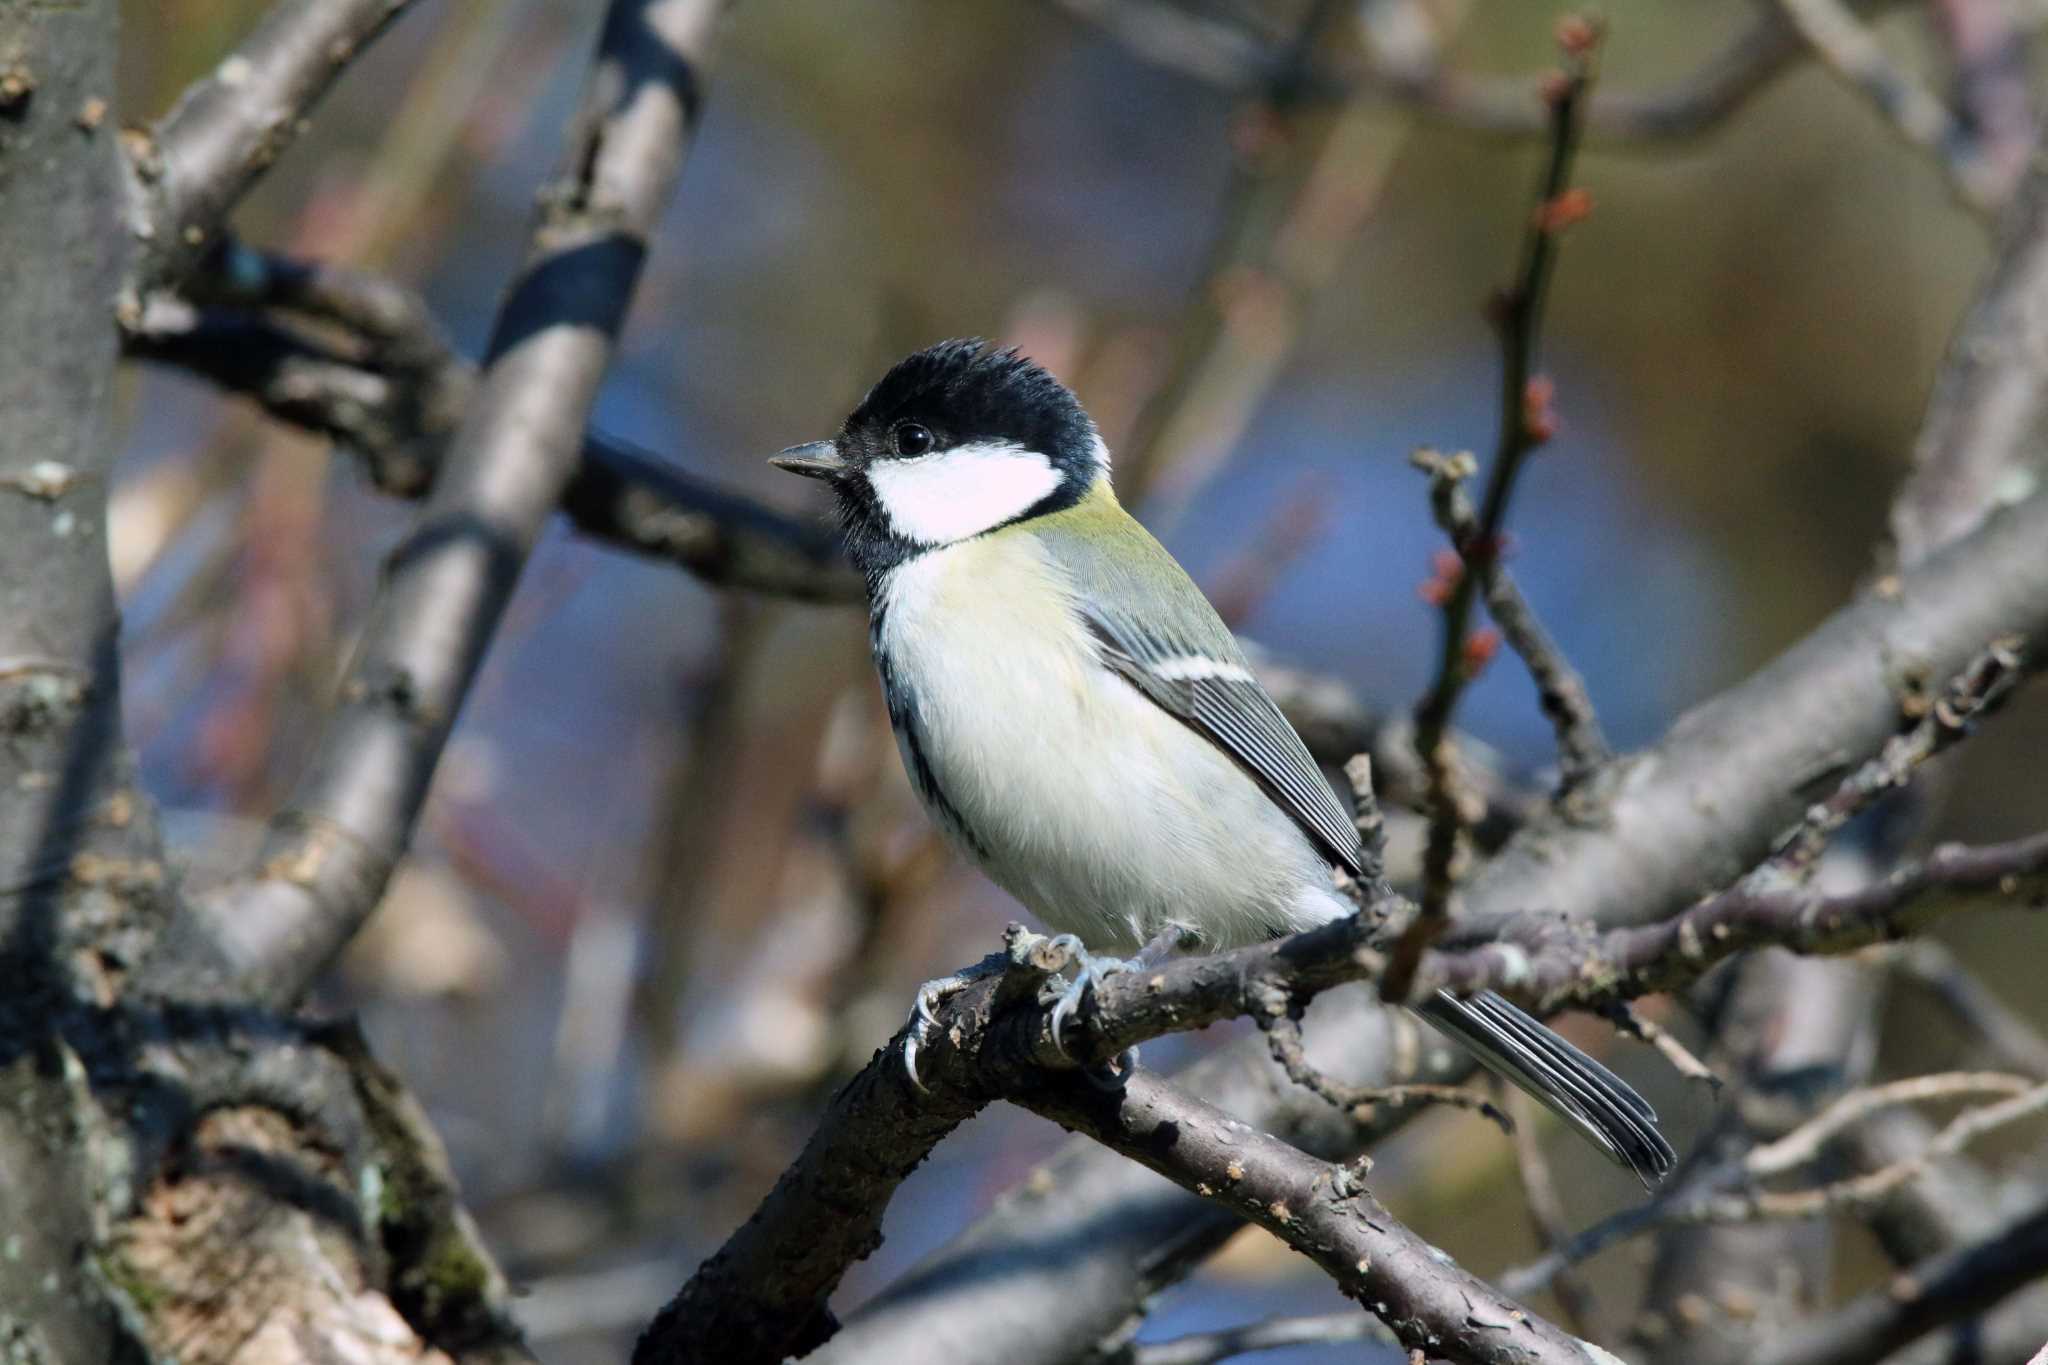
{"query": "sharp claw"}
pixel 1090 971
pixel 910 1063
pixel 922 1021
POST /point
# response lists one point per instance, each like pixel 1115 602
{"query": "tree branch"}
pixel 329 852
pixel 381 379
pixel 1849 49
pixel 1206 1348
pixel 1942 1289
pixel 1525 422
pixel 1319 1208
pixel 1224 55
pixel 194 166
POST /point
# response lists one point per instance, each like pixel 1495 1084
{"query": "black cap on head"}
pixel 966 392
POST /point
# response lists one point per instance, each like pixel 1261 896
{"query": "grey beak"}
pixel 813 460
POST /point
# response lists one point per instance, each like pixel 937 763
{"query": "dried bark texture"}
pixel 80 880
pixel 1036 1280
pixel 188 1175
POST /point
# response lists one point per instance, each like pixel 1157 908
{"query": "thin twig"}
pixel 1805 1143
pixel 1560 691
pixel 1546 1212
pixel 1205 1348
pixel 1629 1020
pixel 330 851
pixel 1862 1193
pixel 1524 425
pixel 1283 1037
pixel 1972 694
pixel 1418 78
pixel 224 132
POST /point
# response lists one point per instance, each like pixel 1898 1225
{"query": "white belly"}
pixel 1103 814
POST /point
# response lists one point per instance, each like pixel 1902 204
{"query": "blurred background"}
pixel 671 887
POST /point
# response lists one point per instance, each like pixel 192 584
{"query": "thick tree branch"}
pixel 224 132
pixel 329 852
pixel 1321 1209
pixel 1022 1286
pixel 761 1293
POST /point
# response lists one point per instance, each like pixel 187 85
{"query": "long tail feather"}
pixel 1564 1080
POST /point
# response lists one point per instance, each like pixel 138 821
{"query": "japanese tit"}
pixel 1075 715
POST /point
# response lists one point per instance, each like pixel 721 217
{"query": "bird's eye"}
pixel 912 439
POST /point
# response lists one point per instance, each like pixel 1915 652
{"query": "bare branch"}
pixel 1864 1193
pixel 1560 691
pixel 1988 416
pixel 1635 1024
pixel 1283 1037
pixel 1546 1211
pixel 1321 1209
pixel 392 390
pixel 1018 1287
pixel 1849 49
pixel 328 854
pixel 1975 692
pixel 2013 1040
pixel 1524 424
pixel 1942 1289
pixel 762 1296
pixel 1219 54
pixel 224 132
pixel 1206 1348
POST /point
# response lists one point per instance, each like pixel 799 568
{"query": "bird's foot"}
pixel 934 993
pixel 1090 971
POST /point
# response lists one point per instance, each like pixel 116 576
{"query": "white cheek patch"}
pixel 954 494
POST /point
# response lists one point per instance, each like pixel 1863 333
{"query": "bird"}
pixel 1080 722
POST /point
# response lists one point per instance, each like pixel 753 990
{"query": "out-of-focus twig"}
pixel 1525 423
pixel 1302 181
pixel 1863 1193
pixel 224 132
pixel 1944 1288
pixel 1206 1348
pixel 1989 45
pixel 329 853
pixel 1547 1213
pixel 1414 74
pixel 1634 1022
pixel 2011 1038
pixel 1848 48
